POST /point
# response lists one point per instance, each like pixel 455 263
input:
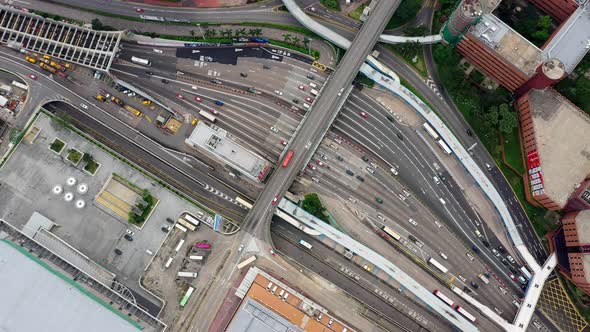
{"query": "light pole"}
pixel 309 46
pixel 201 31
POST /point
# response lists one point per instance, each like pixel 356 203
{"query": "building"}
pixel 572 243
pixel 215 142
pixel 269 305
pixel 556 139
pixel 503 54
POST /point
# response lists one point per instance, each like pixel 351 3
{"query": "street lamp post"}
pixel 309 46
pixel 201 31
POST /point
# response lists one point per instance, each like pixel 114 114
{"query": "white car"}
pixel 510 259
pixel 241 248
pixel 413 222
pixel 437 224
pixel 158 51
pixel 370 170
pixel 316 180
pixel 274 130
pixel 340 92
pixel 393 171
pixel 278 92
pixel 130 232
pixel 84 106
pixel 306 105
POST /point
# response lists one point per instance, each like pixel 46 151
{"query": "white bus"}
pixel 314 92
pixel 186 224
pixel 20 85
pixel 526 273
pixel 179 245
pixel 246 261
pixel 484 279
pixel 168 262
pixel 430 131
pixel 192 220
pixel 141 61
pixel 305 244
pixel 244 203
pixel 187 274
pixel 465 314
pixel 181 228
pixel 438 265
pixel 208 116
pixel 196 258
pixel 444 146
pixel 444 298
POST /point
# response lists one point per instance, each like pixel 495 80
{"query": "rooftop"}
pixel 583 226
pixel 215 141
pixel 571 42
pixel 508 43
pixel 563 142
pixel 56 303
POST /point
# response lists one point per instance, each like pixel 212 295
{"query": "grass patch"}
pixel 314 53
pixel 331 4
pixel 406 11
pixel 580 300
pixel 57 145
pixel 409 55
pixel 513 151
pixel 91 164
pixel 74 156
pixel 356 14
pixel 312 204
pixel 364 80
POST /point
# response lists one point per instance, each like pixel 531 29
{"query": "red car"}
pixel 179 96
pixel 302 87
pixel 319 162
pixel 214 112
pixel 272 252
pixel 309 100
pixel 139 10
pixel 364 115
pixel 33 76
pixel 312 167
pixel 283 142
pixel 274 200
pixel 199 99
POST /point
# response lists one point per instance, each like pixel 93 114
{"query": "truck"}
pixel 57 65
pixel 30 59
pixel 116 101
pixel 187 274
pixel 47 67
pixel 133 111
pixel 484 279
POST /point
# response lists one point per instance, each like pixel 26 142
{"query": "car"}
pixel 438 224
pixel 406 192
pixel 475 249
pixel 179 96
pixel 370 170
pixel 33 76
pixel 158 51
pixel 266 66
pixel 338 157
pixel 84 106
pixel 274 130
pixel 314 179
pixel 139 10
pixel 379 200
pixel 216 81
pixel 478 233
pixel 166 228
pixel 165 80
pixel 501 249
pixel 364 115
pixel 413 222
pixel 390 118
pixel 118 252
pixel 274 200
pixel 280 93
pixel 443 255
pixel 360 178
pixel 393 171
pixel 495 252
pixel 319 162
pixel 487 274
pixel 402 196
pixel 302 87
pixel 199 99
pixel 505 262
pixel 442 176
pixel 272 252
pixel 340 92
pixel 241 248
pixel 485 243
pixel 128 237
pixel 243 74
pixel 130 232
pixel 488 167
pixel 502 290
pixel 474 284
pixel 312 167
pixel 349 172
pixel 309 100
pixel 512 276
pixel 365 158
pixel 323 156
pixel 400 136
pixel 295 101
pixel 283 142
pixel 436 179
pixel 306 105
pixel 510 259
pixel 214 112
pixel 170 220
pixel 219 103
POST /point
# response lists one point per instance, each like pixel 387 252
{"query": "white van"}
pixel 436 180
pixel 306 106
pixel 313 85
pixel 158 51
pixel 393 171
pixel 442 254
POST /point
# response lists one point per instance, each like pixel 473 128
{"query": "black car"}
pixel 505 262
pixel 485 243
pixel 243 74
pixel 360 178
pixel 487 275
pixel 118 252
pixel 339 158
pixel 266 66
pixel 389 117
pixel 501 249
pixel 474 284
pixel 475 249
pixel 349 172
pixel 128 237
pixel 170 220
pixel 400 136
pixel 365 158
pixel 165 80
pixel 296 101
pixel 469 132
pixel 513 270
pixel 149 72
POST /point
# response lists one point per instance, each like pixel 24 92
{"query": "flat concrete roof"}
pixel 508 43
pixel 216 141
pixel 570 43
pixel 583 226
pixel 563 142
pixel 47 296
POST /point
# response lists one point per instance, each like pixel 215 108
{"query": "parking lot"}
pixel 27 183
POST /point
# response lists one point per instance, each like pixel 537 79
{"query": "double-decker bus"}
pixel 465 314
pixel 244 203
pixel 186 224
pixel 305 244
pixel 438 265
pixel 141 61
pixel 444 298
pixel 391 233
pixel 444 146
pixel 430 131
pixel 288 158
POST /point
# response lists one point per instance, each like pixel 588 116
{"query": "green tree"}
pixel 508 119
pixel 210 33
pixel 492 116
pixel 192 32
pixel 416 31
pixel 306 41
pixel 240 32
pixel 252 32
pixel 257 32
pixel 296 41
pixel 286 37
pixel 96 24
